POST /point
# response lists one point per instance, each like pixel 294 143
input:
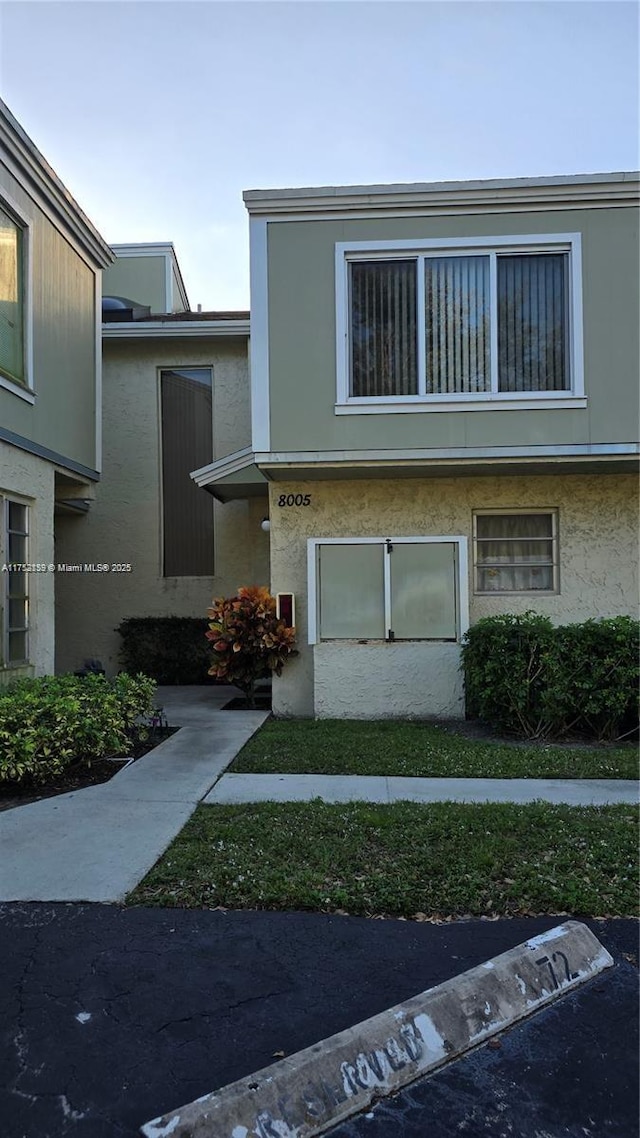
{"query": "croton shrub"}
pixel 248 640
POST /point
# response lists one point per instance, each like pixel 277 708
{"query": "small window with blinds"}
pixel 14 606
pixel 11 299
pixel 187 444
pixel 473 322
pixel 516 552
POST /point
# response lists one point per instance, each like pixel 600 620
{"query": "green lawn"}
pixel 389 747
pixel 405 859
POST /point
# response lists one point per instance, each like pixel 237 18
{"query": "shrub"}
pixel 170 649
pixel 526 677
pixel 592 679
pixel 248 640
pixel 48 723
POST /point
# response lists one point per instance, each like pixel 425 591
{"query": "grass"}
pixel 389 747
pixel 402 860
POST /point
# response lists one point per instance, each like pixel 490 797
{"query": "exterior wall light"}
pixel 265 525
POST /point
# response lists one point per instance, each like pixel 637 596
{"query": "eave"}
pixel 567 191
pixel 30 167
pixel 174 329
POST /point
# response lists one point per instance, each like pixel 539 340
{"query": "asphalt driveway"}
pixel 111 1016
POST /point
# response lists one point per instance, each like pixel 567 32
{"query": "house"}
pixel 175 395
pixel 51 259
pixel 444 400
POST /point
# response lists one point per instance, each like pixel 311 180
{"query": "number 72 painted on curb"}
pixel 568 974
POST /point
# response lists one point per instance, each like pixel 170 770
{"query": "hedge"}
pixel 529 678
pixel 47 724
pixel 170 649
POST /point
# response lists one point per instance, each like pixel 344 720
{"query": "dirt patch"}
pixel 482 732
pixel 239 703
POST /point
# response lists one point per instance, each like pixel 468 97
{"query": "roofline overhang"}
pixel 562 190
pixel 173 329
pixel 609 458
pixel 230 464
pixel 270 461
pixel 25 161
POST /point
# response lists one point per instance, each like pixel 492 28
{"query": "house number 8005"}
pixel 294 500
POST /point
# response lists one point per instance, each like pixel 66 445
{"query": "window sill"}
pixel 518 593
pixel 392 406
pixel 18 389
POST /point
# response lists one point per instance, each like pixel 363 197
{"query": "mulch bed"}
pixel 239 703
pixel 80 775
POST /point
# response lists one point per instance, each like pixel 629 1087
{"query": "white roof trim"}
pixel 454 454
pixel 173 329
pixel 566 189
pixel 230 464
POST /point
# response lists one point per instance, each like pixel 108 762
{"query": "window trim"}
pixel 555 551
pixel 347 252
pixel 24 388
pixel 462 581
pixel 5 663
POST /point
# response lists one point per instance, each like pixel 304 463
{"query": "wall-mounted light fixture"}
pixel 265 525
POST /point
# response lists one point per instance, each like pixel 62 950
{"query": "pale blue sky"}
pixel 158 115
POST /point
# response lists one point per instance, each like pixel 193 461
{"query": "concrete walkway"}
pixel 352 788
pixel 96 844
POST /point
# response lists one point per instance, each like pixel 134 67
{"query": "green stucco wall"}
pixel 302 332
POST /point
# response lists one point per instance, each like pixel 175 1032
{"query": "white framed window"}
pixel 393 588
pixel 15 553
pixel 475 323
pixel 15 300
pixel 515 551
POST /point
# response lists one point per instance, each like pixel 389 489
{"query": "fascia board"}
pixel 26 163
pixel 171 329
pixel 574 191
pixel 457 455
pixel 230 464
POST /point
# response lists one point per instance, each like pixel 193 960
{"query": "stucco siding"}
pixel 63 324
pixel 598 554
pixel 302 337
pixel 124 524
pixel 387 681
pixel 31 480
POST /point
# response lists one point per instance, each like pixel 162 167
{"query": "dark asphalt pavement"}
pixel 111 1016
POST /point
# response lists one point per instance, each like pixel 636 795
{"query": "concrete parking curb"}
pixel 306 1094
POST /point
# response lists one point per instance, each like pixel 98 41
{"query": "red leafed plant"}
pixel 248 640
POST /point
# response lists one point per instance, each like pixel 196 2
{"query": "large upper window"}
pixel 473 322
pixel 187 443
pixel 11 299
pixel 387 589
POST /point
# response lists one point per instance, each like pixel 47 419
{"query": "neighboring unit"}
pixel 175 396
pixel 444 388
pixel 51 259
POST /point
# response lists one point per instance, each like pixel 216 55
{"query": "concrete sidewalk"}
pixel 96 844
pixel 353 788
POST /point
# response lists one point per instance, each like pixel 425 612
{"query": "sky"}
pixel 157 115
